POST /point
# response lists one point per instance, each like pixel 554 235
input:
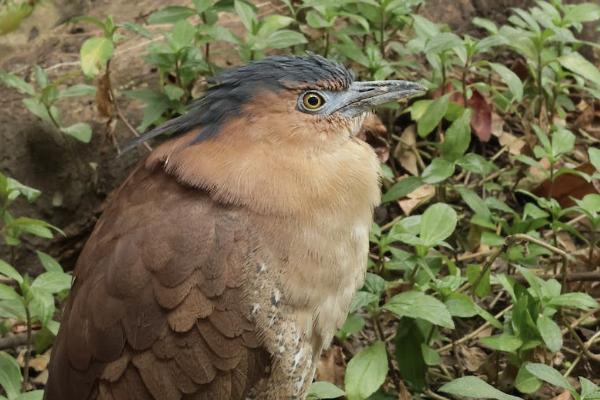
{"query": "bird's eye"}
pixel 312 101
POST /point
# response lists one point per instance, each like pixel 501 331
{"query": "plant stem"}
pixel 25 383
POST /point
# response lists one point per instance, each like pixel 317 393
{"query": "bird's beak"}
pixel 362 96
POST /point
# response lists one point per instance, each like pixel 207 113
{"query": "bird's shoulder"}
pixel 157 303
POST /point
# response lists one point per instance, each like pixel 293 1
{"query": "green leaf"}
pixel 415 304
pixel 526 382
pixel 272 23
pixel 182 35
pixel 578 64
pixel 511 79
pixel 432 116
pixel 483 287
pixel 458 137
pixel 438 171
pixel 549 374
pixel 474 202
pixel 8 293
pixel 430 356
pixel 354 324
pixel 42 305
pixel 402 188
pixel 49 263
pixel 550 333
pixel 476 164
pixel 594 154
pixel 437 223
pixel 16 82
pixel 442 42
pixel 362 299
pixel 589 390
pixel 171 14
pixel 33 395
pixel 203 5
pixel 366 372
pixel 247 14
pixel 285 38
pixel 80 131
pixel 461 305
pixel 485 24
pixel 315 20
pixel 324 390
pixel 10 375
pixel 504 342
pixel 94 54
pixel 409 356
pixel 579 300
pixel 475 387
pixel 39 110
pixel 7 270
pixel 563 142
pixel 78 90
pixel 53 282
pixel 584 12
pixel 137 28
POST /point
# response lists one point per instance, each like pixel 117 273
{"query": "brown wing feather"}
pixel 156 311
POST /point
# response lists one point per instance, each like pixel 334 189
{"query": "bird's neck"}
pixel 271 178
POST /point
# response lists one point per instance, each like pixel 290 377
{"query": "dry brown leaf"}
pixel 374 132
pixel 331 366
pixel 472 357
pixel 40 363
pixel 515 145
pixel 416 197
pixel 42 378
pixel 497 125
pixel 481 122
pixel 566 395
pixel 405 150
pixel 567 186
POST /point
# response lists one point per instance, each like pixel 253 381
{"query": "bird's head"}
pixel 286 99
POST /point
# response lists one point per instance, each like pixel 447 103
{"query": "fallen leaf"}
pixel 405 150
pixel 472 357
pixel 567 186
pixel 515 145
pixel 566 395
pixel 374 132
pixel 331 366
pixel 416 198
pixel 481 122
pixel 497 125
pixel 40 362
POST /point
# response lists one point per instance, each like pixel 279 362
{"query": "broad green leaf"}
pixel 366 372
pixel 94 54
pixel 402 188
pixel 526 382
pixel 504 342
pixel 285 38
pixel 473 275
pixel 137 28
pixel 53 282
pixel 8 293
pixel 424 27
pixel 16 82
pixel 594 154
pixel 247 14
pixel 203 5
pixel 579 300
pixel 458 137
pixel 33 395
pixel 42 305
pixel 550 333
pixel 182 35
pixel 485 24
pixel 589 390
pixel 474 202
pixel 475 387
pixel 170 15
pixel 362 299
pixel 578 64
pixel 39 110
pixel 562 142
pixel 476 164
pixel 415 304
pixel 511 79
pixel 442 42
pixel 549 374
pixel 8 270
pixel 10 375
pixel 438 171
pixel 272 23
pixel 80 131
pixel 461 305
pixel 430 356
pixel 437 223
pixel 409 355
pixel 354 324
pixel 432 116
pixel 14 188
pixel 324 390
pixel 78 90
pixel 584 12
pixel 314 19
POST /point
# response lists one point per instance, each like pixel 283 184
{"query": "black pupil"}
pixel 313 100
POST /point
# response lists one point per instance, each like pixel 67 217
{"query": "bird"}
pixel 227 260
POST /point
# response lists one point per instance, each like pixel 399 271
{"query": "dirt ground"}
pixel 76 180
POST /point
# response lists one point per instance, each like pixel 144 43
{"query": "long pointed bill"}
pixel 363 96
